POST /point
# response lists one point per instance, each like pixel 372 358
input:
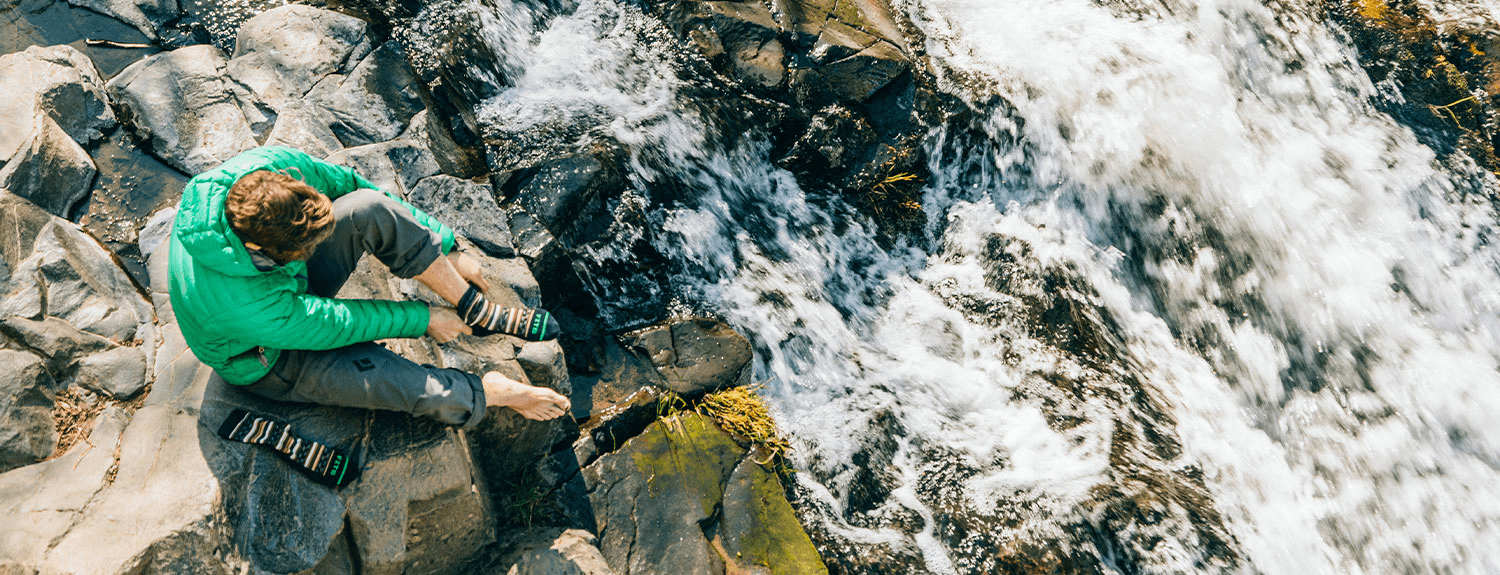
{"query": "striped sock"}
pixel 487 318
pixel 324 464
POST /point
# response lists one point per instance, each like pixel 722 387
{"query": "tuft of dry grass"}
pixel 742 412
pixel 73 415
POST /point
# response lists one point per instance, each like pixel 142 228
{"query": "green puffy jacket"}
pixel 236 318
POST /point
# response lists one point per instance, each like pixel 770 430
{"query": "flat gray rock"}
pixel 181 103
pixel 119 373
pixel 394 166
pixel 40 503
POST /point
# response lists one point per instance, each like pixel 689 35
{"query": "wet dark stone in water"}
pixel 49 22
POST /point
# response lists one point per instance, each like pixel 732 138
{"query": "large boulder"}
pixel 183 105
pixel 56 269
pixel 282 53
pixel 55 101
pixel 27 433
pixel 50 169
pixel 60 82
pixel 741 39
pixel 653 497
pixel 375 102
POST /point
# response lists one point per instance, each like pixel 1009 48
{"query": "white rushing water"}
pixel 1312 296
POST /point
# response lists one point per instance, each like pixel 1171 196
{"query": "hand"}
pixel 443 324
pixel 468 268
pixel 532 402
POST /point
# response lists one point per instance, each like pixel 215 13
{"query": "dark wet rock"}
pixel 50 169
pixel 587 237
pixel 554 552
pixel 132 184
pixel 759 527
pixel 282 53
pixel 41 502
pixel 375 101
pixel 469 208
pixel 855 78
pixel 616 402
pixel 654 497
pixel 52 23
pixel 182 105
pixel 118 373
pixel 147 16
pixel 837 141
pixel 59 81
pixel 57 342
pixel 741 40
pixel 397 165
pixel 694 356
pixel 27 433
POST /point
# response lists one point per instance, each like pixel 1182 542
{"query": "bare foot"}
pixel 530 401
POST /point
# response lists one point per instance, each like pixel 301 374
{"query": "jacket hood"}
pixel 202 224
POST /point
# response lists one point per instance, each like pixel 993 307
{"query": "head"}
pixel 279 214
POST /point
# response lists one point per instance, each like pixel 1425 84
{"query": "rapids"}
pixel 1185 301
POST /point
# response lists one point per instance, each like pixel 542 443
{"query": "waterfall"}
pixel 1186 301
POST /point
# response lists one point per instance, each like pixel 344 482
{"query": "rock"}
pixel 282 53
pixel 57 342
pixel 654 498
pixel 836 141
pixel 760 528
pixel 305 127
pixel 544 364
pixel 50 169
pixel 67 274
pixel 852 79
pixel 40 503
pixel 57 80
pixel 469 208
pixel 182 105
pixel 567 193
pixel 739 38
pixel 22 293
pixel 555 552
pixel 375 102
pixel 418 508
pixel 695 356
pixel 27 433
pixel 119 373
pixel 619 401
pixel 394 166
pixel 148 16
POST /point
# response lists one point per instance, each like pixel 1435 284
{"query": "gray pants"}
pixel 368 375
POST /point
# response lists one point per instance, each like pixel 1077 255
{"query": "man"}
pixel 259 248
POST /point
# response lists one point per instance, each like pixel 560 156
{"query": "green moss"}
pixel 760 526
pixel 688 454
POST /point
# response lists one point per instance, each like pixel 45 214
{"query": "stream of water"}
pixel 1298 302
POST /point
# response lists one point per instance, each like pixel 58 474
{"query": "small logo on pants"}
pixel 364 364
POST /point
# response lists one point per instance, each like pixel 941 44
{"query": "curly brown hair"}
pixel 282 214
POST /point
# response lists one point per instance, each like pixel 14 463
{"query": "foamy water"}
pixel 1307 292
